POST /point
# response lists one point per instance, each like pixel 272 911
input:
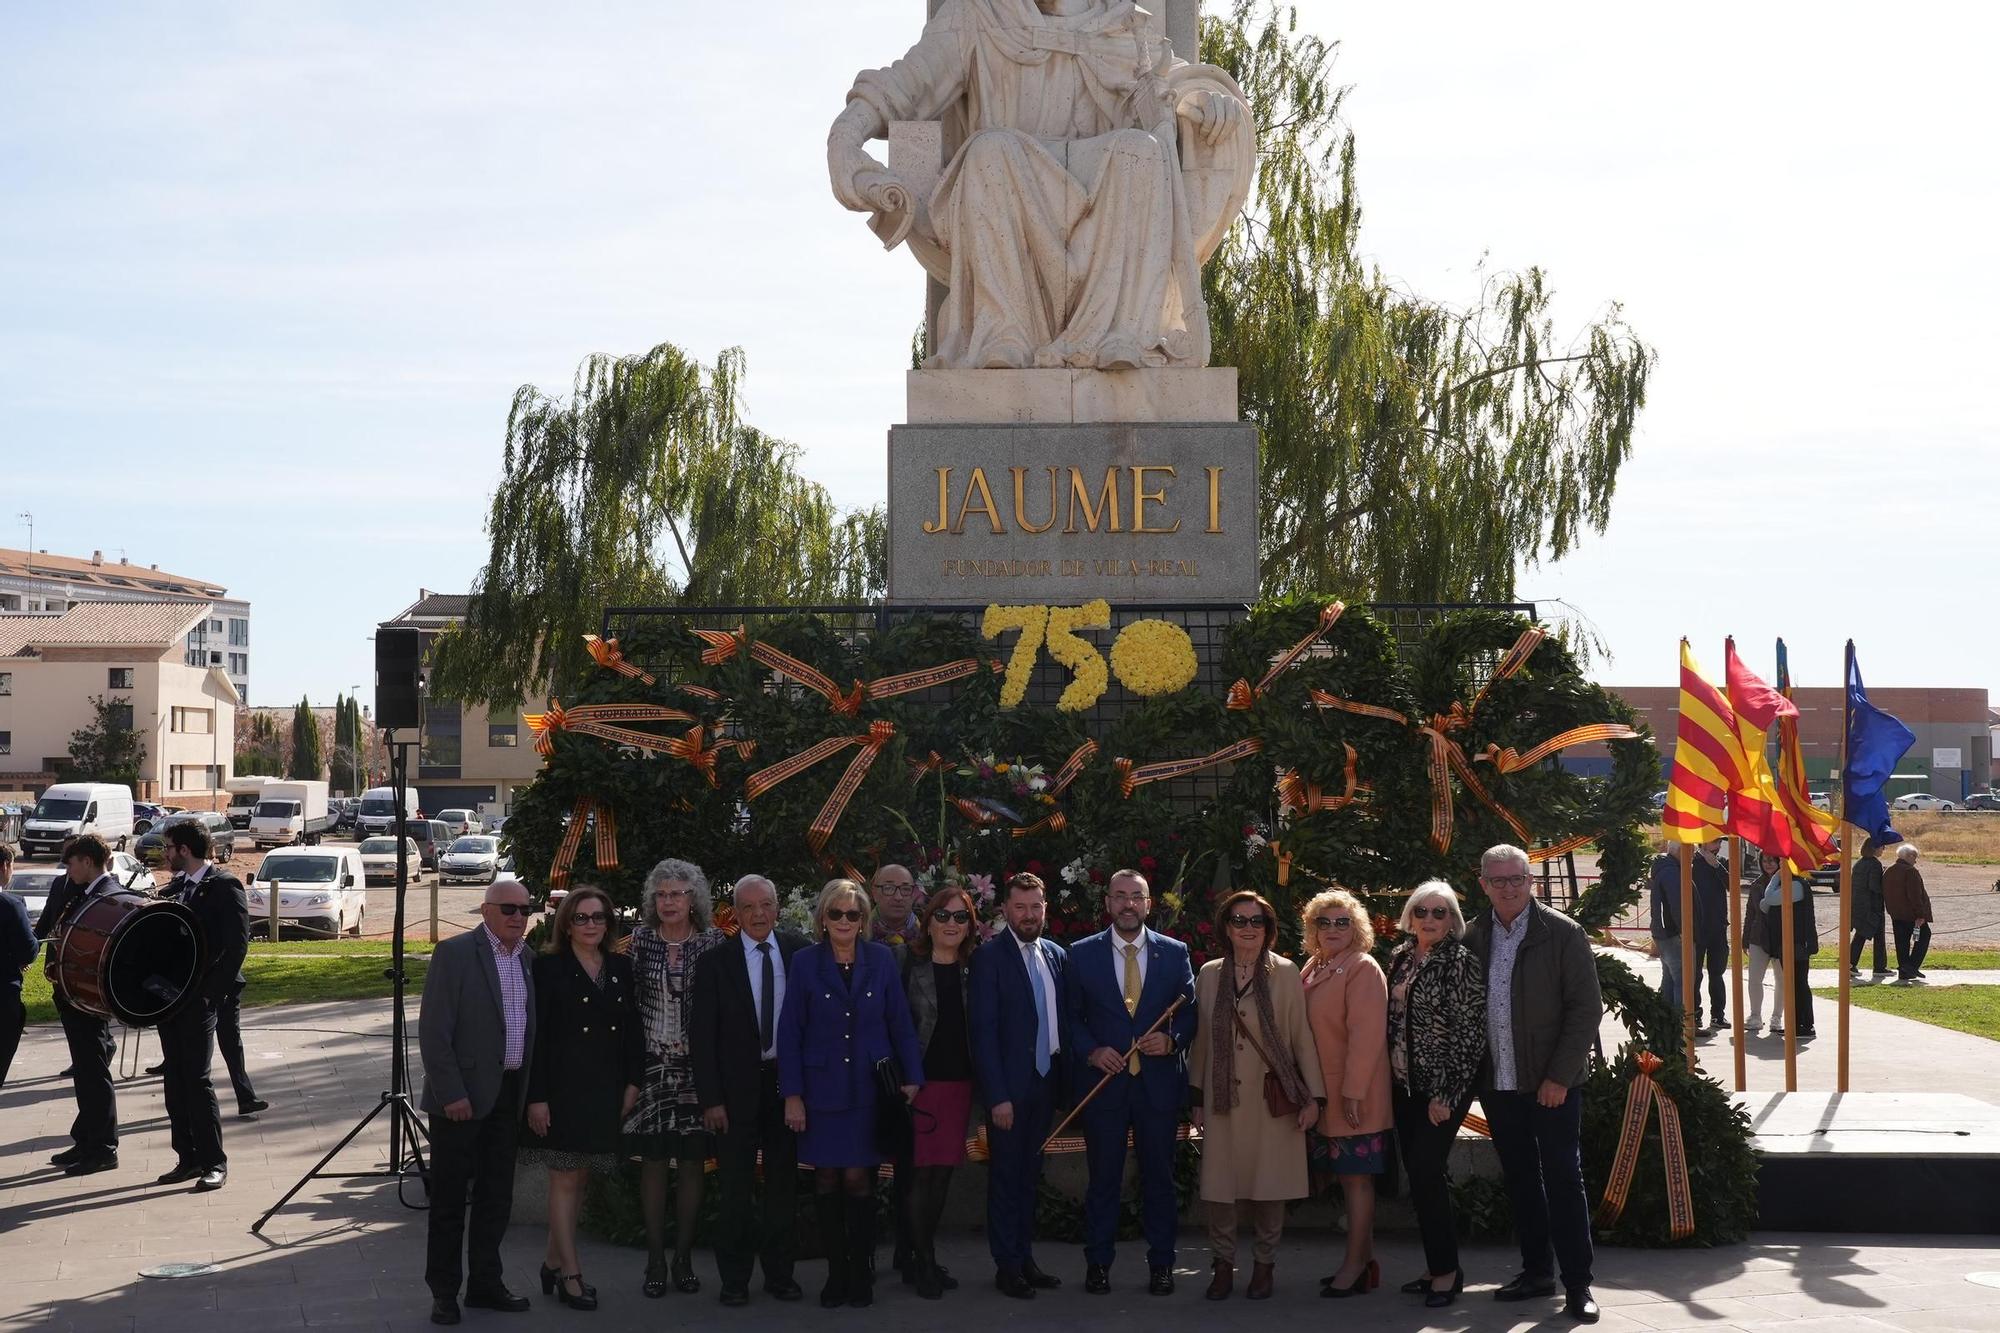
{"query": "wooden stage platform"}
pixel 1884 1162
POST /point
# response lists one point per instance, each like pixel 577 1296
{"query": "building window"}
pixel 193 721
pixel 120 716
pixel 121 678
pixel 6 682
pixel 195 777
pixel 443 745
pixel 215 627
pixel 6 742
pixel 239 664
pixel 239 632
pixel 503 729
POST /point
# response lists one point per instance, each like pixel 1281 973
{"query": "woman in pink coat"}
pixel 1347 1004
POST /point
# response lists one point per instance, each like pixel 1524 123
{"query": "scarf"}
pixel 1222 1047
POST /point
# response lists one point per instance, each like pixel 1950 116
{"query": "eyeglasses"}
pixel 1434 913
pixel 843 914
pixel 1238 920
pixel 958 916
pixel 589 918
pixel 671 893
pixel 513 909
pixel 1507 881
pixel 1332 922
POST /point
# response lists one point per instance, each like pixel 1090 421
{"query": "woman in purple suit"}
pixel 844 1013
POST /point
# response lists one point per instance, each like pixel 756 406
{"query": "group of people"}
pixel 881 1038
pixel 1895 892
pixel 188 1035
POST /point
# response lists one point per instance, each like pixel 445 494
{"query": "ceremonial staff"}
pixel 1123 1060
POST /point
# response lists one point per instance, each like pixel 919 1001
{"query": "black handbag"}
pixel 895 1125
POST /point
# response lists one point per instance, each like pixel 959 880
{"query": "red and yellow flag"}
pixel 1812 827
pixel 1708 760
pixel 1757 812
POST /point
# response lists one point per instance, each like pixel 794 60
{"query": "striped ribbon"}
pixel 1054 822
pixel 974 811
pixel 1242 695
pixel 605 653
pixel 727 644
pixel 1079 759
pixel 597 719
pixel 699 692
pixel 572 842
pixel 1640 1098
pixel 1295 793
pixel 870 744
pixel 1131 778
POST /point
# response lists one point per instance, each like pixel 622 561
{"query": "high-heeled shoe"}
pixel 550 1277
pixel 655 1285
pixel 586 1297
pixel 685 1281
pixel 1364 1282
pixel 1437 1300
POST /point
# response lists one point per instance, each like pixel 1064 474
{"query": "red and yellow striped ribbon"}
pixel 572 841
pixel 1054 822
pixel 1296 793
pixel 870 743
pixel 1131 778
pixel 605 653
pixel 1242 696
pixel 726 644
pixel 1073 767
pixel 596 719
pixel 1506 759
pixel 1641 1097
pixel 974 811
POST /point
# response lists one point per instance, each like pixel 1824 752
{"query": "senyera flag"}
pixel 1755 810
pixel 1812 827
pixel 1708 760
pixel 1876 742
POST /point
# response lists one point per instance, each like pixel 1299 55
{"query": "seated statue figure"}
pixel 1095 172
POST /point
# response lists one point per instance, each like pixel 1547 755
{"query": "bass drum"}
pixel 127 956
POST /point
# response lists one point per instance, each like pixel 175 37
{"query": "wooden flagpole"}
pixel 1687 951
pixel 1788 978
pixel 1847 835
pixel 1736 952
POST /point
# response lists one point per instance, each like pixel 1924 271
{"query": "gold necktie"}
pixel 1132 992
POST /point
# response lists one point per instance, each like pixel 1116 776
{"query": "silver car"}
pixel 473 859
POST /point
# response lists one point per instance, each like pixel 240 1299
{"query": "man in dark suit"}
pixel 739 991
pixel 17 950
pixel 1016 1011
pixel 94 1132
pixel 229 1041
pixel 476 1035
pixel 1120 982
pixel 188 1038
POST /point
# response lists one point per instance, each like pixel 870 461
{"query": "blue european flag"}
pixel 1875 742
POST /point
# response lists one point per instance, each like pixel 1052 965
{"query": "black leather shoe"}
pixel 1010 1282
pixel 1416 1286
pixel 66 1157
pixel 91 1165
pixel 182 1171
pixel 499 1298
pixel 444 1310
pixel 1039 1280
pixel 1526 1287
pixel 251 1107
pixel 1438 1300
pixel 158 1069
pixel 1581 1305
pixel 782 1289
pixel 214 1178
pixel 1160 1281
pixel 1097 1280
pixel 735 1296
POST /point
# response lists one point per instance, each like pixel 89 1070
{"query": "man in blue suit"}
pixel 1120 982
pixel 1016 1008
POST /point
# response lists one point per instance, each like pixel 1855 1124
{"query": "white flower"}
pixel 1075 872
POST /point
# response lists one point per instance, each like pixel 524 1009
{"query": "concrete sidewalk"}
pixel 348 1254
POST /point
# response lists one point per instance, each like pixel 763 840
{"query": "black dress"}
pixel 589 1046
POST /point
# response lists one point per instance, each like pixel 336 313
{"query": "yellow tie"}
pixel 1132 991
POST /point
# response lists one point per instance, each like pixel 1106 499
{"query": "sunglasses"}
pixel 1435 913
pixel 588 919
pixel 1238 920
pixel 958 916
pixel 843 914
pixel 1332 922
pixel 513 909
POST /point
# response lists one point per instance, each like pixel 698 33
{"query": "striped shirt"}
pixel 1500 998
pixel 513 998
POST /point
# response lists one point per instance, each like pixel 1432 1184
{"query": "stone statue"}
pixel 1094 173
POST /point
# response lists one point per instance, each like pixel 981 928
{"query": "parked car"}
pixel 378 859
pixel 432 837
pixel 152 845
pixel 1923 800
pixel 459 821
pixel 1983 800
pixel 69 809
pixel 32 883
pixel 1823 800
pixel 1658 800
pixel 495 824
pixel 320 891
pixel 145 814
pixel 11 819
pixel 473 859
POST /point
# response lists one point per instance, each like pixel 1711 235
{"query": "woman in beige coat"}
pixel 1347 1006
pixel 1253 1023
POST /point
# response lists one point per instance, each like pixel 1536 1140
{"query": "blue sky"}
pixel 269 276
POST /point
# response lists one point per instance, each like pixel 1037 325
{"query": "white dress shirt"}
pixel 1118 946
pixel 1040 975
pixel 755 962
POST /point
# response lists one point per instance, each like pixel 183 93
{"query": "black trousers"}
pixel 1711 958
pixel 1912 943
pixel 1541 1155
pixel 13 1019
pixel 749 1234
pixel 95 1129
pixel 1426 1152
pixel 229 1040
pixel 194 1121
pixel 1799 1010
pixel 1867 927
pixel 472 1170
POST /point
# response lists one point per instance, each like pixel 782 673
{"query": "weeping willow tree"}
pixel 1412 450
pixel 643 486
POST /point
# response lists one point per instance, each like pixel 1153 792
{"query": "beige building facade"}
pixel 133 655
pixel 469 756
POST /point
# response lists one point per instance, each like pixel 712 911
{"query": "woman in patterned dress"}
pixel 666 1127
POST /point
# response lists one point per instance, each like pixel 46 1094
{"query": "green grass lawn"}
pixel 1959 960
pixel 1973 1009
pixel 289 972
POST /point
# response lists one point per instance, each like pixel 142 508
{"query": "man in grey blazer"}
pixel 477 1035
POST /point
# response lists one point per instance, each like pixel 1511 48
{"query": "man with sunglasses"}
pixel 476 1035
pixel 1543 1008
pixel 1121 981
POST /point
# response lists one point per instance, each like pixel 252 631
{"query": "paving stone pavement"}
pixel 347 1254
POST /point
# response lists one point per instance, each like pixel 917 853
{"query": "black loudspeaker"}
pixel 398 657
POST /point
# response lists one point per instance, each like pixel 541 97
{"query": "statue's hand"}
pixel 849 166
pixel 1214 115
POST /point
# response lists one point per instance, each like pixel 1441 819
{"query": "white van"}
pixel 377 812
pixel 320 891
pixel 70 809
